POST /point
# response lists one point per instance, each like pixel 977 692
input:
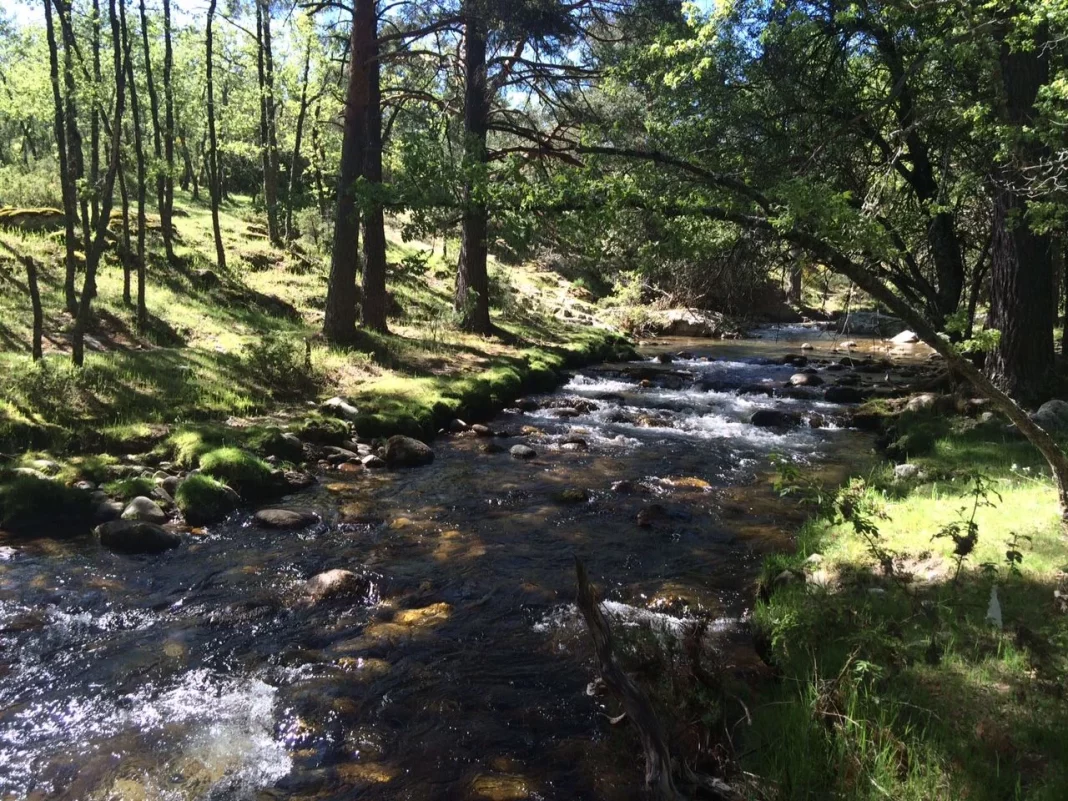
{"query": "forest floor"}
pixel 897 683
pixel 243 343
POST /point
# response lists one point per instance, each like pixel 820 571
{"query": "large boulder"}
pixel 844 394
pixel 144 510
pixel 135 537
pixel 402 451
pixel 279 518
pixel 339 407
pixel 685 323
pixel 203 500
pixel 1052 416
pixel 774 418
pixel 248 474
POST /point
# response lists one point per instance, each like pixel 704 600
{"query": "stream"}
pixel 204 673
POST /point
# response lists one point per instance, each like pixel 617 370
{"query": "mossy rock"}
pixel 274 442
pixel 39 219
pixel 323 430
pixel 129 488
pixel 248 474
pixel 202 500
pixel 32 506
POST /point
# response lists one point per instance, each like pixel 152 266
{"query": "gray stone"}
pixel 86 486
pixel 905 338
pixel 144 510
pixel 523 452
pixel 106 511
pixel 922 402
pixel 481 430
pixel 906 472
pixel 456 426
pixel 46 466
pixel 339 407
pixel 844 394
pixel 336 583
pixel 404 451
pixel 135 536
pixel 372 462
pixel 280 518
pixel 1052 416
pixel 805 380
pixel 170 485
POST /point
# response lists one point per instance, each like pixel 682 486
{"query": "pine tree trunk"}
pixel 213 151
pixel 66 178
pixel 339 325
pixel 268 139
pixel 157 133
pixel 375 300
pixel 1021 279
pixel 124 196
pixel 472 278
pixel 75 157
pixel 166 213
pixel 139 156
pixel 298 135
pixel 94 118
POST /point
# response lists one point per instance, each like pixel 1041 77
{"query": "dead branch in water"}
pixel 637 707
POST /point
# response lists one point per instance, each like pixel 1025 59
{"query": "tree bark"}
pixel 166 213
pixel 94 118
pixel 298 135
pixel 34 292
pixel 99 240
pixel 75 156
pixel 125 253
pixel 339 325
pixel 1021 279
pixel 157 134
pixel 70 207
pixel 472 277
pixel 139 156
pixel 375 300
pixel 214 184
pixel 268 139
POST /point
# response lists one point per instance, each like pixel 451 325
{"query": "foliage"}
pixel 33 506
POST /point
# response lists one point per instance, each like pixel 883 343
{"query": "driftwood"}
pixel 638 709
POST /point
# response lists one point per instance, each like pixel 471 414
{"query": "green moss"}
pixel 323 430
pixel 249 475
pixel 93 467
pixel 38 507
pixel 271 441
pixel 127 489
pixel 202 500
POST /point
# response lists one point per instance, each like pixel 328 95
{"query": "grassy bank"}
pixel 893 682
pixel 242 344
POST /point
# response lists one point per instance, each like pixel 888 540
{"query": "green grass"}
pixel 33 506
pixel 899 687
pixel 248 348
pixel 129 488
pixel 202 500
pixel 249 475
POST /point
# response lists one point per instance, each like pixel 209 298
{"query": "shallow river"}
pixel 202 673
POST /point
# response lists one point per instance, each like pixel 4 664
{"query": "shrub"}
pixel 201 500
pixel 246 473
pixel 317 232
pixel 283 364
pixel 40 507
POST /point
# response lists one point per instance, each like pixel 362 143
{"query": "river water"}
pixel 204 673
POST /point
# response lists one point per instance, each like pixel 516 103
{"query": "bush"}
pixel 283 364
pixel 317 232
pixel 202 500
pixel 39 507
pixel 246 473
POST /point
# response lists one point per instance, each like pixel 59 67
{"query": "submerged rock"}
pixel 523 452
pixel 137 537
pixel 144 510
pixel 404 451
pixel 280 518
pixel 336 583
pixel 774 418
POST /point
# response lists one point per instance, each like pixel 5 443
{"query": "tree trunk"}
pixel 339 325
pixel 94 118
pixel 298 135
pixel 268 143
pixel 375 301
pixel 99 241
pixel 793 294
pixel 472 278
pixel 125 254
pixel 32 286
pixel 70 210
pixel 1022 307
pixel 166 212
pixel 157 134
pixel 320 161
pixel 139 156
pixel 214 183
pixel 75 156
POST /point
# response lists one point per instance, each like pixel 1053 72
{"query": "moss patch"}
pixel 202 500
pixel 249 475
pixel 127 489
pixel 37 507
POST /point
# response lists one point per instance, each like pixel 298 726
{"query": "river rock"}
pixel 402 451
pixel 457 426
pixel 31 472
pixel 170 485
pixel 481 430
pixel 46 466
pixel 905 338
pixel 136 536
pixel 373 462
pixel 806 346
pixel 922 402
pixel 844 394
pixel 906 472
pixel 565 412
pixel 106 511
pixel 85 486
pixel 144 510
pixel 280 518
pixel 339 407
pixel 805 380
pixel 297 480
pixel 336 583
pixel 573 495
pixel 665 358
pixel 1052 416
pixel 523 452
pixel 491 447
pixel 774 418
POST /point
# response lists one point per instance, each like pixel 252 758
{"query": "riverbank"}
pixel 898 676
